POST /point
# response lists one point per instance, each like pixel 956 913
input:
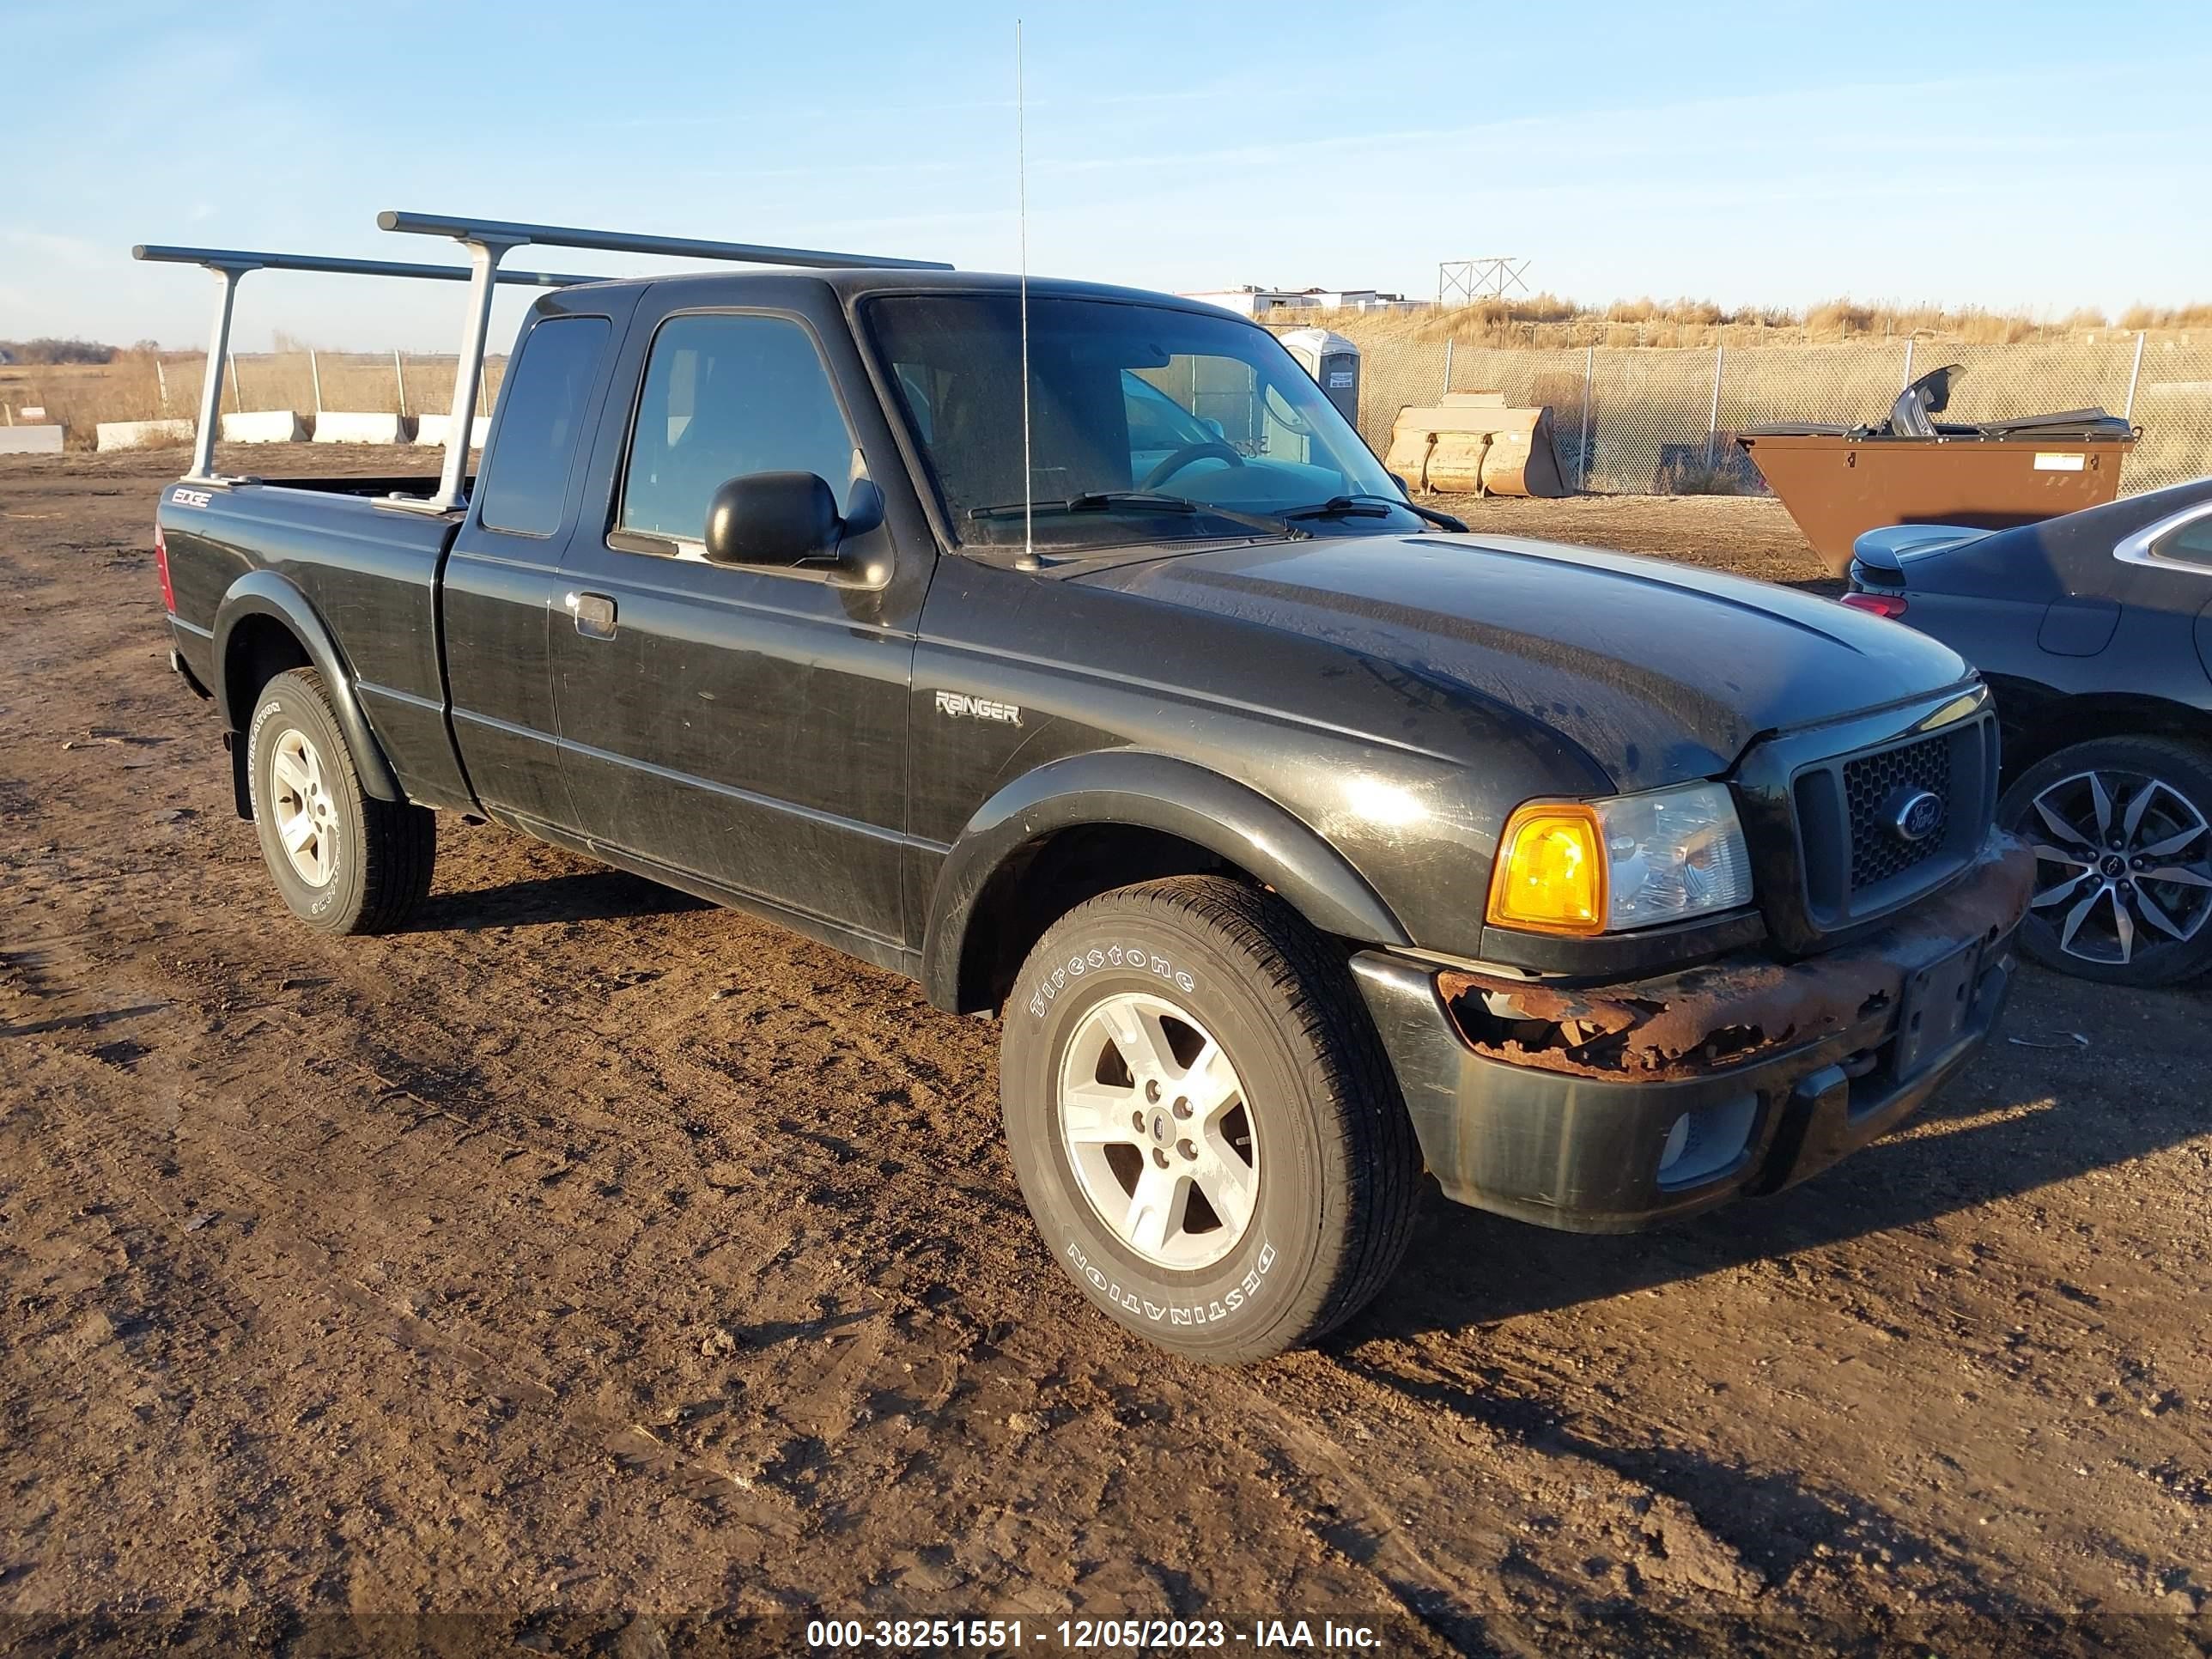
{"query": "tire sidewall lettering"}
pixel 317 901
pixel 1212 1310
pixel 1264 1284
pixel 1101 958
pixel 1234 1293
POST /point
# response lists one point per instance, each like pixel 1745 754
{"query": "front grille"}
pixel 1874 786
pixel 1827 856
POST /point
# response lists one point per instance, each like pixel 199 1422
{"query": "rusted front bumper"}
pixel 1607 1110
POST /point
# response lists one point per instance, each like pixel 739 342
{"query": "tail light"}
pixel 161 568
pixel 1891 605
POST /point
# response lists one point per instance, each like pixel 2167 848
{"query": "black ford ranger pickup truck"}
pixel 1297 839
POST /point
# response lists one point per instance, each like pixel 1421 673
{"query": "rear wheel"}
pixel 2122 828
pixel 1202 1119
pixel 343 861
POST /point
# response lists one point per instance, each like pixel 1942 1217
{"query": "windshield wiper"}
pixel 1105 501
pixel 1373 506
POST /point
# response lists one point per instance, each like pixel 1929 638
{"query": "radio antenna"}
pixel 1022 218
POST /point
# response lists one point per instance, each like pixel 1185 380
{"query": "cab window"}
pixel 725 396
pixel 526 482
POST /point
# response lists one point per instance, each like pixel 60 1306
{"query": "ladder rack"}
pixel 627 242
pixel 228 264
pixel 488 241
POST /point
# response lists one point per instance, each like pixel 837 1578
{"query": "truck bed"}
pixel 370 574
pixel 393 483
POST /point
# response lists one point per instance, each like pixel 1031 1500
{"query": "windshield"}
pixel 1125 400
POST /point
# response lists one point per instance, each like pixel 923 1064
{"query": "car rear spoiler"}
pixel 488 241
pixel 1889 547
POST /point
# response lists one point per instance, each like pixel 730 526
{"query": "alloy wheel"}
pixel 306 817
pixel 1155 1123
pixel 2124 862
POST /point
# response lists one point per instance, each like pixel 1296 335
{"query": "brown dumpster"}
pixel 1836 482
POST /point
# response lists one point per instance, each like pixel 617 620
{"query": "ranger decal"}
pixel 961 706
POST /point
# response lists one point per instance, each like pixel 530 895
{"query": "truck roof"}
pixel 855 284
pixel 849 276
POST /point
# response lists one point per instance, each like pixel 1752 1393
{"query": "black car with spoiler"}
pixel 2094 630
pixel 1063 647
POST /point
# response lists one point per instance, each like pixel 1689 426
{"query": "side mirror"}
pixel 771 518
pixel 1400 483
pixel 1214 425
pixel 786 519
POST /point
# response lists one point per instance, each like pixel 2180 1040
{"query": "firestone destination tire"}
pixel 1202 1119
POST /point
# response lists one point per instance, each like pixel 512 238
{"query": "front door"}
pixel 746 727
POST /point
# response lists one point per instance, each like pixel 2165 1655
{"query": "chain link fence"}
pixel 1661 420
pixel 1627 420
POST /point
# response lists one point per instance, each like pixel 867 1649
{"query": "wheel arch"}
pixel 2037 721
pixel 1080 826
pixel 266 625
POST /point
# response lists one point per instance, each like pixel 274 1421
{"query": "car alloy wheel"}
pixel 2123 859
pixel 1155 1125
pixel 306 814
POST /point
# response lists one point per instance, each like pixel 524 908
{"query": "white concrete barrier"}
pixel 338 426
pixel 264 426
pixel 30 440
pixel 141 434
pixel 432 429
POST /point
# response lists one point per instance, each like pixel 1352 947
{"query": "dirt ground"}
pixel 1751 537
pixel 589 1267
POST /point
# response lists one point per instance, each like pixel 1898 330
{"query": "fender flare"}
pixel 1145 790
pixel 265 594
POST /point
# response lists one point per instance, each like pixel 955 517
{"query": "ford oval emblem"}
pixel 1918 814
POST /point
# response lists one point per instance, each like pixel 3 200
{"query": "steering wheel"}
pixel 1183 457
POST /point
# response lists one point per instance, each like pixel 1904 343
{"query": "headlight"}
pixel 1633 861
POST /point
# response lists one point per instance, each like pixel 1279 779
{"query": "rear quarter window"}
pixel 2190 543
pixel 542 401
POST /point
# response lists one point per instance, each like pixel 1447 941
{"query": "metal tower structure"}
pixel 1463 282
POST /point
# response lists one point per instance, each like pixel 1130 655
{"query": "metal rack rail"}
pixel 228 264
pixel 488 241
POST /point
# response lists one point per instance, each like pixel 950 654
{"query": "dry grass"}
pixel 1709 481
pixel 77 395
pixel 1547 320
pixel 141 385
pixel 2166 317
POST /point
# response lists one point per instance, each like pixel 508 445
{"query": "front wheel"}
pixel 2122 830
pixel 1202 1119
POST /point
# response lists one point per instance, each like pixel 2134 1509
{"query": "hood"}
pixel 1660 672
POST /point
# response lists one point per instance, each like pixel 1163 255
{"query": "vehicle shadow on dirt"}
pixel 1773 1522
pixel 593 895
pixel 2020 1119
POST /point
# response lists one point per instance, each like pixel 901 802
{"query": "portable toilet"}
pixel 1334 362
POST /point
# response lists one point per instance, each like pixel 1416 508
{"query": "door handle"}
pixel 594 614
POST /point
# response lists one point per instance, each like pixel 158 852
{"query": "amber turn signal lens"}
pixel 1550 874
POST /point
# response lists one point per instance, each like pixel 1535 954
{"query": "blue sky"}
pixel 2020 155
